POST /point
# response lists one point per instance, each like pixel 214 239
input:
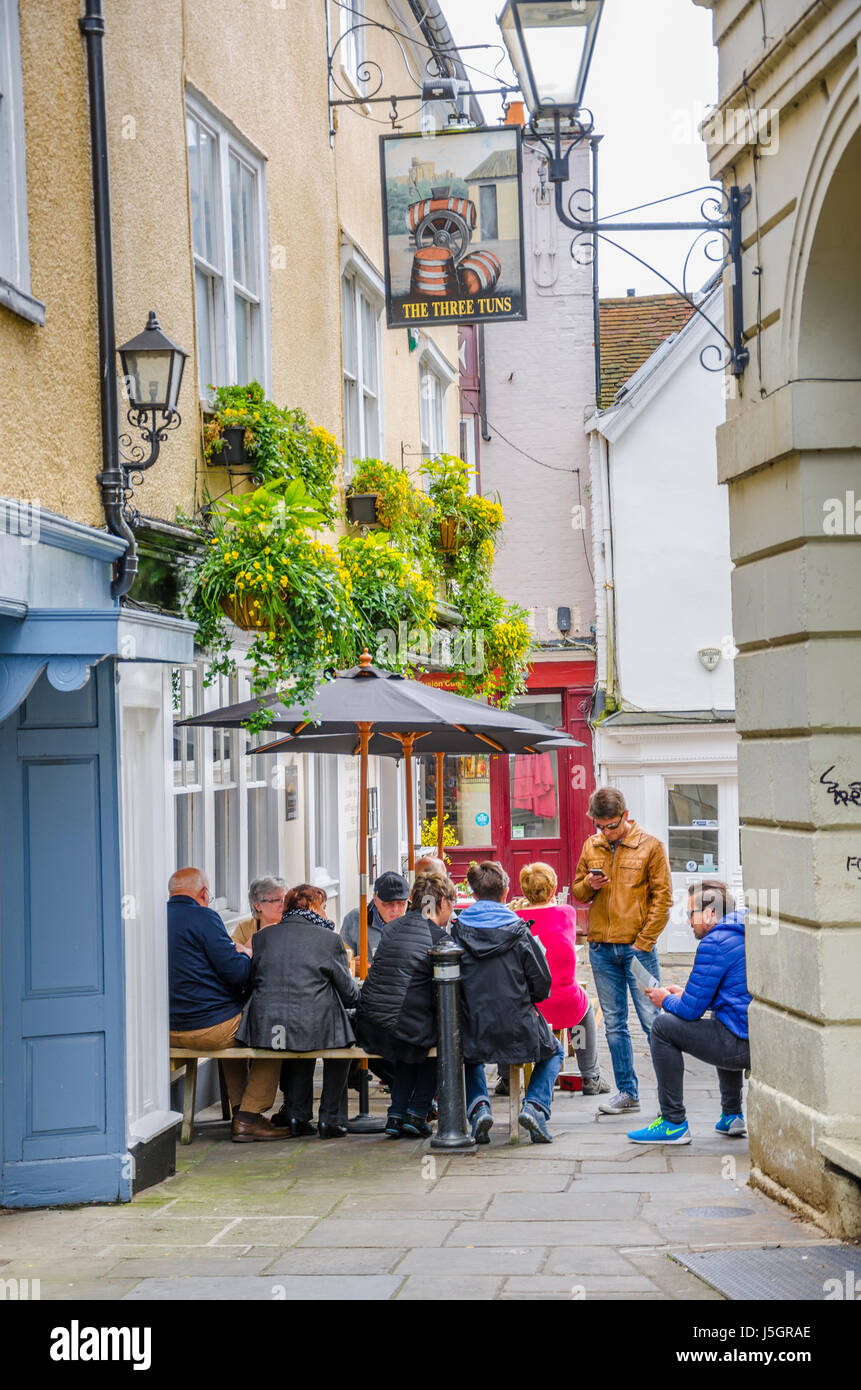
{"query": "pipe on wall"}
pixel 110 479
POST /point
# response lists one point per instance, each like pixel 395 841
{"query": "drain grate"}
pixel 812 1272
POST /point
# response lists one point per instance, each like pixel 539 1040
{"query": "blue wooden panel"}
pixel 63 877
pixel 47 708
pixel 66 1084
pixel 62 1053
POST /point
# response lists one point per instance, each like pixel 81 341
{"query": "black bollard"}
pixel 451 1132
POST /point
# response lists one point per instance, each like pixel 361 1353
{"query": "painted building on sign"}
pixel 664 710
pixel 103 796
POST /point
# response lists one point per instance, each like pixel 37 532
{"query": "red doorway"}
pixel 518 810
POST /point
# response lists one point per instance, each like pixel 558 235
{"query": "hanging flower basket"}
pixel 243 614
pixel 362 508
pixel 450 535
pixel 234 454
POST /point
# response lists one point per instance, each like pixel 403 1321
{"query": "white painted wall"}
pixel 539 382
pixel 670 527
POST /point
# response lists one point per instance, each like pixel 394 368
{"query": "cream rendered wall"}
pixel 357 158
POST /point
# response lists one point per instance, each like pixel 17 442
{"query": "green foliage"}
pixel 280 443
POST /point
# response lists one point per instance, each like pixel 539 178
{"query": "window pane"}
pixel 223 842
pixel 372 426
pixel 241 317
pixel 352 441
pixel 692 803
pixel 693 851
pixel 188 807
pixel 348 326
pixel 242 222
pixel 259 838
pixel 201 160
pixel 369 345
pixel 204 292
pixel 534 796
pixel 466 796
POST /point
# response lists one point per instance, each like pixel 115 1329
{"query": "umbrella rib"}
pixel 463 730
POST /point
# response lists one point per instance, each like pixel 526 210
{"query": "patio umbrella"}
pixel 368 710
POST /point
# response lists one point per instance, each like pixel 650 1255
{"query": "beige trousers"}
pixel 250 1088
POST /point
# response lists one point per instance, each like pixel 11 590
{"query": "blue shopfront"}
pixel 63 1116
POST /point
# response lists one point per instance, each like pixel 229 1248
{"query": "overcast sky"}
pixel 653 75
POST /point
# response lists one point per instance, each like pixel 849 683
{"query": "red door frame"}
pixel 574 681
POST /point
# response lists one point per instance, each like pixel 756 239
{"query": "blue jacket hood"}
pixel 485 913
pixel 734 921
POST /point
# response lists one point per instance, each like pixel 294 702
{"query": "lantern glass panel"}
pixel 550 43
pixel 148 376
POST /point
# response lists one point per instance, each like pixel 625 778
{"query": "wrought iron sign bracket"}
pixel 723 228
pixel 153 434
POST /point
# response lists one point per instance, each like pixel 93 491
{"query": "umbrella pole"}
pixel 407 744
pixel 440 760
pixel 364 1122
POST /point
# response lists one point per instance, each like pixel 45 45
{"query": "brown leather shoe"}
pixel 247 1128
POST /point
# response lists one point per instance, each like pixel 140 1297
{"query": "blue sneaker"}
pixel 481 1122
pixel 732 1125
pixel 535 1122
pixel 660 1131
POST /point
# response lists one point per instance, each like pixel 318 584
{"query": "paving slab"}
pixel 362 1260
pixel 589 1262
pixel 489 1183
pixel 427 1288
pixel 478 1260
pixel 201 1267
pixel 287 1288
pixel 85 1291
pixel 395 1232
pixel 554 1233
pixel 563 1206
pixel 581 1287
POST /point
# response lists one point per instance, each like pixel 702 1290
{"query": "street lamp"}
pixel 152 368
pixel 550 44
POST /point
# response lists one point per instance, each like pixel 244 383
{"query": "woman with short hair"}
pixel 396 1017
pixel 555 926
pixel 301 990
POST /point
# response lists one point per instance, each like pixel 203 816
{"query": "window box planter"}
pixel 362 508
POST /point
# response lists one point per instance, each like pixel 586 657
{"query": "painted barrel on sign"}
pixel 434 275
pixel 479 272
pixel 439 207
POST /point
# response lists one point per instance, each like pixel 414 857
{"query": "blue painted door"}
pixel 63 1114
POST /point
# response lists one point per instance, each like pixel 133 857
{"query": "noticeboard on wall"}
pixel 453 227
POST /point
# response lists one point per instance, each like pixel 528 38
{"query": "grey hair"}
pixel 259 887
pixel 711 893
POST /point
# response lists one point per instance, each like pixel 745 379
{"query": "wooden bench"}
pixel 189 1057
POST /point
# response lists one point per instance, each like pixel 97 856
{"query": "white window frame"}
pixel 324 778
pixel 436 375
pixel 14 235
pixel 228 142
pixel 353 51
pixel 362 281
pixel 233 907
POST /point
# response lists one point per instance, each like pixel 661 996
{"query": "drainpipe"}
pixel 596 301
pixel 111 478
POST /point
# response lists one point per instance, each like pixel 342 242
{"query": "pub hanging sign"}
pixel 453 227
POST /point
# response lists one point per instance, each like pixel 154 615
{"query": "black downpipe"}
pixel 596 301
pixel 482 385
pixel 111 478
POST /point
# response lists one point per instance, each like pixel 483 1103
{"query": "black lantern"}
pixel 550 44
pixel 152 369
pixel 152 375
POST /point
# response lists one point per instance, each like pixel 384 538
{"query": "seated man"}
pixel 504 975
pixel 391 894
pixel 717 982
pixel 207 979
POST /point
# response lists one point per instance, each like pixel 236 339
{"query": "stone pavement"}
pixel 591 1216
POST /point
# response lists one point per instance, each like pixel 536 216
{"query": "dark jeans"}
pixel 297 1083
pixel 708 1040
pixel 413 1088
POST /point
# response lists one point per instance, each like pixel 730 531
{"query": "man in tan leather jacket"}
pixel 625 875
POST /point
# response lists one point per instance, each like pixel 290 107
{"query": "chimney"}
pixel 515 114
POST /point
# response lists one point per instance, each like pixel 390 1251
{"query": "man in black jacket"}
pixel 504 975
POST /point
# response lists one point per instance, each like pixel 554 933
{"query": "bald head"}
pixel 429 865
pixel 190 883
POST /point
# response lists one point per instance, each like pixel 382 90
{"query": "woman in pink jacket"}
pixel 555 925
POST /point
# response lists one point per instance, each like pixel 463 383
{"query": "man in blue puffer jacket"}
pixel 717 982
